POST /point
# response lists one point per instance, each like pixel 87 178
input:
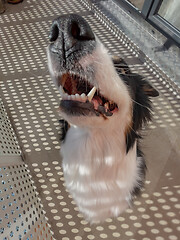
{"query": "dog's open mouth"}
pixel 79 97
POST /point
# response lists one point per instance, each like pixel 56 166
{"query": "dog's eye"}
pixel 54 33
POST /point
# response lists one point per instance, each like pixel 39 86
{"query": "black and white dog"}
pixel 106 106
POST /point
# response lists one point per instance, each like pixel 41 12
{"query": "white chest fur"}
pixel 98 173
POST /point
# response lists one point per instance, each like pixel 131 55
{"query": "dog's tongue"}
pixel 96 102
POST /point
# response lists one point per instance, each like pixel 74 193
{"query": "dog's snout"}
pixel 70 30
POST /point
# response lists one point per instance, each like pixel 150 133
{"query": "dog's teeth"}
pixel 91 94
pixel 106 106
pixel 77 96
pixel 83 97
pixel 65 96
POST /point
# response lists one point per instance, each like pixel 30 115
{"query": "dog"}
pixel 104 106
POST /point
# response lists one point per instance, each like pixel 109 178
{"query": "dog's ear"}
pixel 149 89
pixel 122 68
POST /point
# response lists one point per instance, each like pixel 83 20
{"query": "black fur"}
pixel 140 91
pixel 64 126
pixel 142 172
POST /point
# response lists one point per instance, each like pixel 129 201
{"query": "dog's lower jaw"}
pixel 98 173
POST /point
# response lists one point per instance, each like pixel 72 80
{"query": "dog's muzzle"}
pixel 71 39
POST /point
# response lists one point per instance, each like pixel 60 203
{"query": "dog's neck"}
pixel 97 168
pixel 98 145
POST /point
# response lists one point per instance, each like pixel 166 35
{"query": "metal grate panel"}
pixel 32 103
pixel 126 28
pixel 148 39
pixel 8 141
pixel 21 214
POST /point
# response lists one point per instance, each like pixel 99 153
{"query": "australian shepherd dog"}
pixel 104 106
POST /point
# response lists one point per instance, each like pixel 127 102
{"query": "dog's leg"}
pixel 64 126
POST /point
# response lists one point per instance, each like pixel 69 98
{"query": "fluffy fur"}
pixel 102 163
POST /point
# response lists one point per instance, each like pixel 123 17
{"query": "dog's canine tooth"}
pixel 91 94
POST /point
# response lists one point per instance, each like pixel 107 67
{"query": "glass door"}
pixel 137 3
pixel 165 15
pixel 170 11
pixel 162 14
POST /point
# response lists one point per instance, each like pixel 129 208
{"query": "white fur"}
pixel 97 171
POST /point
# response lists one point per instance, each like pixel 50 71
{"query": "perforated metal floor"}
pixel 31 102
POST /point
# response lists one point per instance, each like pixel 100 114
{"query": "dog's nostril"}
pixel 75 30
pixel 70 31
pixel 81 31
pixel 54 33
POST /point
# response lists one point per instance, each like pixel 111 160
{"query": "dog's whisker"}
pixel 34 100
pixel 32 73
pixel 141 105
pixel 130 127
pixel 125 74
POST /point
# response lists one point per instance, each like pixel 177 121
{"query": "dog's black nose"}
pixel 70 30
